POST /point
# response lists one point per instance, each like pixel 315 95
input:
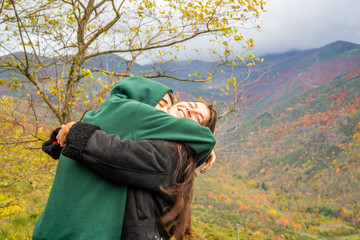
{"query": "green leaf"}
pixel 3 81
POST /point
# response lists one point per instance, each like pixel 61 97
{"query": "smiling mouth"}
pixel 181 113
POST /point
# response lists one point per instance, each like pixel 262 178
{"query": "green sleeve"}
pixel 138 121
pixel 151 123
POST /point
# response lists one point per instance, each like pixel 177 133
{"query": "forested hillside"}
pixel 287 168
pixel 293 160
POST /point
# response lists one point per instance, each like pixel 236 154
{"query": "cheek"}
pixel 194 119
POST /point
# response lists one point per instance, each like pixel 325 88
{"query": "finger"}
pixel 211 161
pixel 205 168
pixel 62 142
pixel 58 136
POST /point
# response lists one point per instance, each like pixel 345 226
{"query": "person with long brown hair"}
pixel 159 174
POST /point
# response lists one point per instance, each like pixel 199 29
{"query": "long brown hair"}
pixel 176 221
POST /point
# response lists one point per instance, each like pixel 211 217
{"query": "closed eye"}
pixel 163 102
pixel 200 117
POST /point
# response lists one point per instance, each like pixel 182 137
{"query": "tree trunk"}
pixel 74 77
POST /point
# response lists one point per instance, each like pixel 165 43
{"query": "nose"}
pixel 192 111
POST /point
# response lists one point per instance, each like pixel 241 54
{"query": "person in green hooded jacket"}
pixel 83 205
pixel 159 174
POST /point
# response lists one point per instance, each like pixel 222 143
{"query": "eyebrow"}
pixel 202 117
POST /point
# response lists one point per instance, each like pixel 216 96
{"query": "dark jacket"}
pixel 143 166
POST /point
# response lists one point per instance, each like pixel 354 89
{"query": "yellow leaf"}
pixel 233 81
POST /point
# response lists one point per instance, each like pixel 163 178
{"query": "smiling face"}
pixel 196 111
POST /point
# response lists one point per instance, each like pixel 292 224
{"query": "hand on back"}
pixel 209 163
pixel 61 137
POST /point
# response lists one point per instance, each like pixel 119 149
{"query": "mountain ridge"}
pixel 295 73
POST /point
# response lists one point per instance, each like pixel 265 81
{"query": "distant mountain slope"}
pixel 292 73
pixel 307 140
pixel 298 72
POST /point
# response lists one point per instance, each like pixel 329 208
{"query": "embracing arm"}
pixel 154 124
pixel 146 164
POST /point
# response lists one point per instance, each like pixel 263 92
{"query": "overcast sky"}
pixel 306 24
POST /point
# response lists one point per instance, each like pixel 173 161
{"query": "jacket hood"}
pixel 140 89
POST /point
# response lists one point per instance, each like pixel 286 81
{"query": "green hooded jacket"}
pixel 82 204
